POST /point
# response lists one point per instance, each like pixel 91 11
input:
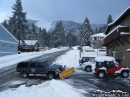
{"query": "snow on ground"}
pixel 71 58
pixel 53 88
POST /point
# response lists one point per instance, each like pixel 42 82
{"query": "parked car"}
pixel 105 65
pixel 89 50
pixel 39 67
pixel 86 62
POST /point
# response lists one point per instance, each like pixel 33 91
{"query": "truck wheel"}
pixel 25 74
pixel 88 68
pixel 51 76
pixel 125 74
pixel 101 74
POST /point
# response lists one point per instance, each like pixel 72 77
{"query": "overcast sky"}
pixel 97 11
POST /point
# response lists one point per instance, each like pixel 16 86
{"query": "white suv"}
pixel 86 62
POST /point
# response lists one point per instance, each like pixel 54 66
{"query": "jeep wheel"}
pixel 25 74
pixel 101 74
pixel 88 68
pixel 51 76
pixel 125 74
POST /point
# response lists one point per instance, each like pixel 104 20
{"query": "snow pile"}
pixel 70 59
pixel 51 88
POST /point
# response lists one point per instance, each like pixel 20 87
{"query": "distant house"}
pixel 117 38
pixel 96 40
pixel 29 46
pixel 8 43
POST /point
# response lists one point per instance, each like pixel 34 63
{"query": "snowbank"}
pixel 53 88
pixel 71 58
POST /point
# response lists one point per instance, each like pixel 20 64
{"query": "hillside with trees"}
pixel 61 33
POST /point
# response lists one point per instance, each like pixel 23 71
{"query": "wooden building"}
pixel 29 46
pixel 117 39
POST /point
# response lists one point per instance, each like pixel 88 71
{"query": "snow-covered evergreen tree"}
pixel 5 24
pixel 86 32
pixel 43 37
pixel 17 21
pixel 109 20
pixel 58 34
pixel 69 39
pixel 97 30
pixel 48 39
pixel 33 32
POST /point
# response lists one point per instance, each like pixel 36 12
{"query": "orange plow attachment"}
pixel 66 72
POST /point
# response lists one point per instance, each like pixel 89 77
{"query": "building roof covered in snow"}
pixel 30 42
pixel 98 35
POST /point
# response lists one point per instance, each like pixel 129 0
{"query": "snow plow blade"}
pixel 66 73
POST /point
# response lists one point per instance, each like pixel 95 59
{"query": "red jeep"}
pixel 108 66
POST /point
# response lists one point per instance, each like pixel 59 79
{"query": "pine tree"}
pixel 74 40
pixel 86 31
pixel 17 21
pixel 109 20
pixel 40 39
pixel 104 28
pixel 43 37
pixel 5 24
pixel 48 39
pixel 51 41
pixel 69 39
pixel 29 34
pixel 33 32
pixel 97 30
pixel 59 34
pixel 100 30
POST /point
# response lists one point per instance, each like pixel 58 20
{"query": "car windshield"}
pixel 88 59
pixel 47 63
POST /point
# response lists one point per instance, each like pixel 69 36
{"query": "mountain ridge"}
pixel 75 27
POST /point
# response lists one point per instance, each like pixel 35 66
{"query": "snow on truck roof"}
pixel 104 58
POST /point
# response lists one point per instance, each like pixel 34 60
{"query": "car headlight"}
pixel 57 70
